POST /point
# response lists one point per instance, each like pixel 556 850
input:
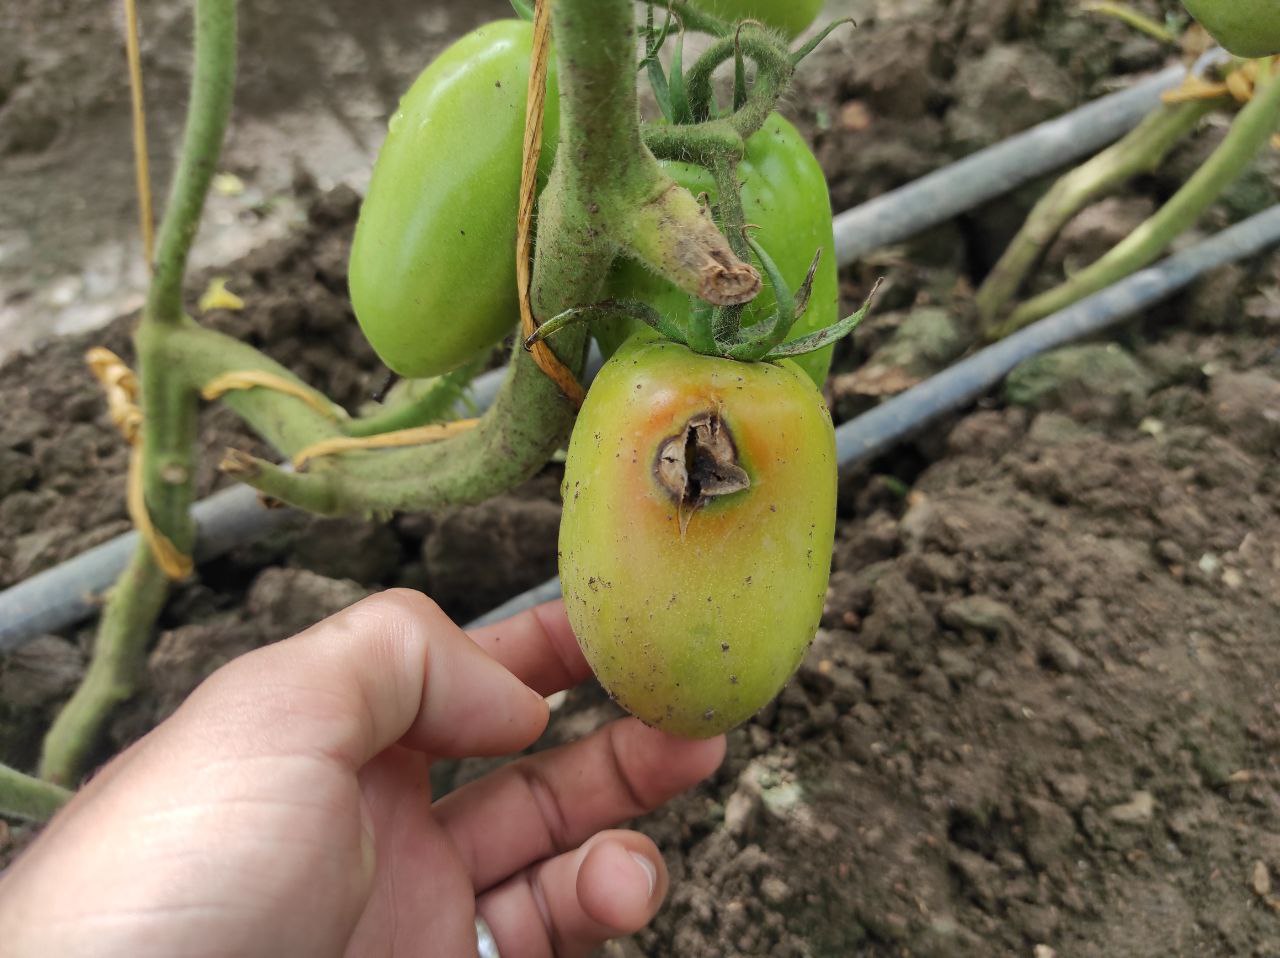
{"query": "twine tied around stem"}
pixel 535 103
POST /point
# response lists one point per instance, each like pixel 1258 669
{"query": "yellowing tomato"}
pixel 695 546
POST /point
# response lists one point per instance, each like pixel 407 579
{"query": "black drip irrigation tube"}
pixel 70 592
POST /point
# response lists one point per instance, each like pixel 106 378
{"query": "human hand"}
pixel 285 808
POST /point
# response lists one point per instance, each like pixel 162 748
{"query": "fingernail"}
pixel 650 872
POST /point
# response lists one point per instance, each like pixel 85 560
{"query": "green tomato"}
pixel 695 546
pixel 1247 28
pixel 785 195
pixel 432 272
pixel 789 16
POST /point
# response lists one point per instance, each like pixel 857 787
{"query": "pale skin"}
pixel 285 809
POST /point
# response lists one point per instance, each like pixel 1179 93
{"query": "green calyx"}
pixel 710 334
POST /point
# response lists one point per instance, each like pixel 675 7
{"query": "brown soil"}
pixel 1043 714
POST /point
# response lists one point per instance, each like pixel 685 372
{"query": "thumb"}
pixel 391 668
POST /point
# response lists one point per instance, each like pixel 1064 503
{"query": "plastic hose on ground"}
pixel 999 169
pixel 875 432
pixel 70 592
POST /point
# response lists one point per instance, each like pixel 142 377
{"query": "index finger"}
pixel 537 646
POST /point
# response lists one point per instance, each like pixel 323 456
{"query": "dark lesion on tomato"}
pixel 699 464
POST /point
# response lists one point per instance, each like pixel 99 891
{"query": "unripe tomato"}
pixel 784 193
pixel 789 16
pixel 432 270
pixel 695 546
pixel 1247 28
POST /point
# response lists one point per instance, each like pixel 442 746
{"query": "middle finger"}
pixel 551 802
pixel 538 647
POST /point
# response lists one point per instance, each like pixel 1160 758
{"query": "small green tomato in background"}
pixel 695 547
pixel 784 195
pixel 1247 28
pixel 432 271
pixel 789 16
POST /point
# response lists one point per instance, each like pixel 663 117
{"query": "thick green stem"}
pixel 1248 135
pixel 527 423
pixel 119 658
pixel 168 403
pixel 733 221
pixel 729 204
pixel 1142 150
pixel 30 799
pixel 199 355
pixel 169 412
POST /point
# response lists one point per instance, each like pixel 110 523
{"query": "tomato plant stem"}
pixel 691 18
pixel 119 658
pixel 419 402
pixel 1141 151
pixel 773 73
pixel 212 85
pixel 1137 20
pixel 1248 135
pixel 33 799
pixel 169 413
pixel 699 143
pixel 201 355
pixel 733 221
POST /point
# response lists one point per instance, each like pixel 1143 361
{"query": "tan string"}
pixel 172 561
pixel 121 387
pixel 543 355
pixel 418 436
pixel 219 386
pixel 141 165
pixel 1239 84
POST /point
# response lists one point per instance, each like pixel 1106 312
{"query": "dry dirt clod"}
pixel 775 890
pixel 1260 880
pixel 1139 810
pixel 741 812
pixel 983 615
